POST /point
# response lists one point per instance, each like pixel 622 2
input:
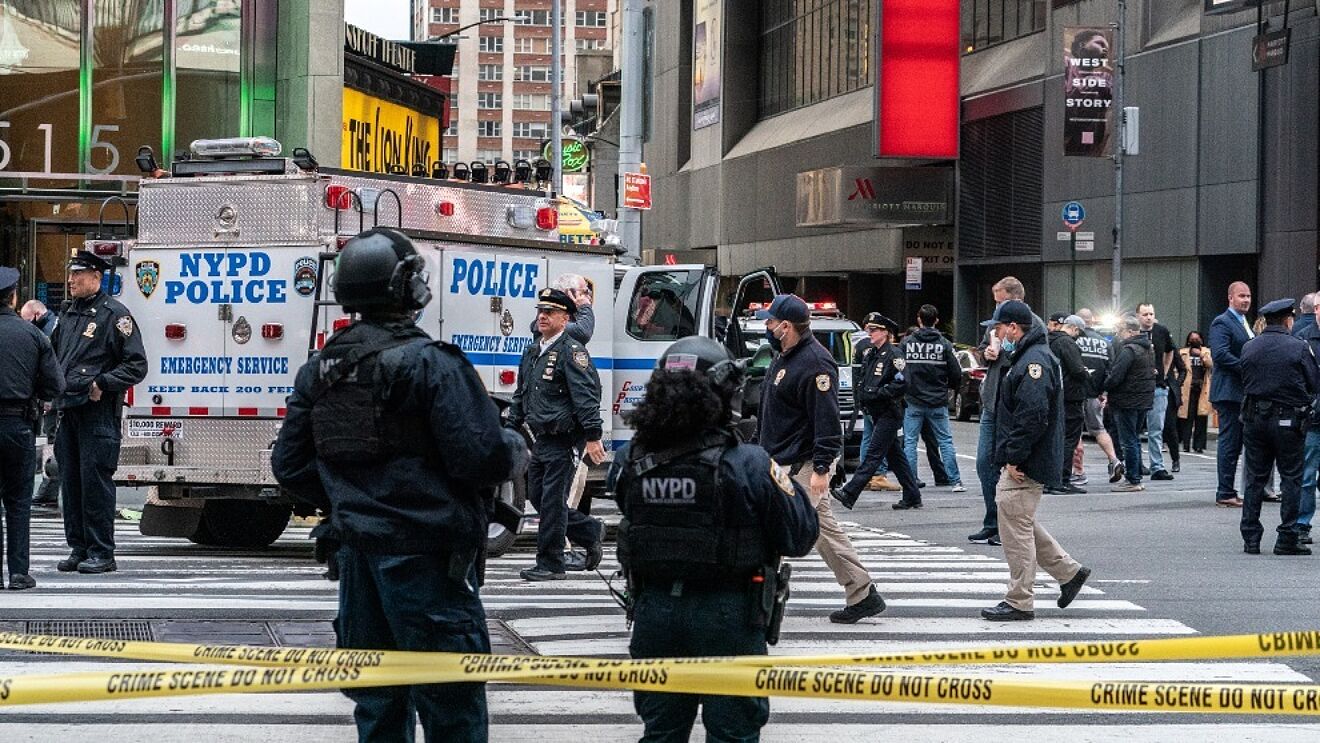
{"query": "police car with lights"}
pixel 228 280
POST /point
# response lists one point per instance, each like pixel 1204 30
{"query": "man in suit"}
pixel 1228 333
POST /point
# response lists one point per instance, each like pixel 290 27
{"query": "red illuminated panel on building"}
pixel 917 86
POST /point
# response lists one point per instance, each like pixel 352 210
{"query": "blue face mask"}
pixel 1008 346
pixel 774 342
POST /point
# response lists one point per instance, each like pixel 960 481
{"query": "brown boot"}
pixel 880 482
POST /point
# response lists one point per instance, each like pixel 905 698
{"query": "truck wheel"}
pixel 241 524
pixel 499 539
pixel 960 410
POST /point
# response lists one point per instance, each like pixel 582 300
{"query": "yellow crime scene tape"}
pixel 257 669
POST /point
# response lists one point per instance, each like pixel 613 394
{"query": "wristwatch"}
pixel 820 470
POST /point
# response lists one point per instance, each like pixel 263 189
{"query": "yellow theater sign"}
pixel 384 137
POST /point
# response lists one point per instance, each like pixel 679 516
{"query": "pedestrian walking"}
pixel 1097 354
pixel 1063 331
pixel 932 370
pixel 1194 412
pixel 1162 346
pixel 394 436
pixel 706 521
pixel 1229 332
pixel 101 355
pixel 1311 462
pixel 1130 389
pixel 1029 448
pixel 799 429
pixel 28 375
pixel 1280 380
pixel 879 389
pixel 558 398
pixel 880 481
pixel 995 357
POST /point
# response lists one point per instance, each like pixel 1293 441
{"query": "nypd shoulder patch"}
pixel 781 479
pixel 823 382
pixel 581 358
pixel 125 326
pixel 1035 370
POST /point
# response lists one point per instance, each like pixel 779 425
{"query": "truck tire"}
pixel 241 524
pixel 960 410
pixel 499 539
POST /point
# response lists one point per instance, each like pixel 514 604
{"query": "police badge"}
pixel 823 382
pixel 1034 371
pixel 90 331
pixel 125 326
pixel 148 276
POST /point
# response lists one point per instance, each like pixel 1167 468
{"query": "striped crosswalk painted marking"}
pixel 933 591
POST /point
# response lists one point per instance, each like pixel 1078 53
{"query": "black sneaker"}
pixel 70 564
pixel 1071 489
pixel 97 565
pixel 540 574
pixel 1145 471
pixel 1051 490
pixel 1006 613
pixel 1251 548
pixel 994 541
pixel 585 561
pixel 21 582
pixel 983 536
pixel 905 505
pixel 1116 471
pixel 1161 475
pixel 867 607
pixel 843 496
pixel 1068 591
pixel 1291 548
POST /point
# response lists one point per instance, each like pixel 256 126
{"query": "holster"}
pixel 778 593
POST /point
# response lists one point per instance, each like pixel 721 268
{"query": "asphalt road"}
pixel 1169 548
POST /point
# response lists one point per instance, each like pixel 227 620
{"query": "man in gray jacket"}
pixel 992 351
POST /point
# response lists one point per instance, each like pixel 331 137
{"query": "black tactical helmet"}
pixel 380 269
pixel 707 356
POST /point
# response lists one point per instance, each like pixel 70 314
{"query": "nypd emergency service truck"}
pixel 229 281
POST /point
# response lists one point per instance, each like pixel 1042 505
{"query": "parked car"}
pixel 965 401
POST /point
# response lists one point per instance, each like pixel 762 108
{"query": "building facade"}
pixel 501 86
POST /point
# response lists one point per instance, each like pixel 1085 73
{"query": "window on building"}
pixel 529 45
pixel 591 18
pixel 812 51
pixel 452 131
pixel 491 44
pixel 490 156
pixel 488 128
pixel 1001 192
pixel 588 44
pixel 531 101
pixel 528 155
pixel 490 100
pixel 490 72
pixel 532 73
pixel 989 22
pixel 530 129
pixel 444 15
pixel 531 17
pixel 490 14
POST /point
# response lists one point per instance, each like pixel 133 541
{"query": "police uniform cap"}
pixel 1278 307
pixel 554 299
pixel 877 320
pixel 1058 318
pixel 786 308
pixel 86 261
pixel 8 277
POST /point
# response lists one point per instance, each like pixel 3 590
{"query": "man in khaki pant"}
pixel 799 428
pixel 1029 448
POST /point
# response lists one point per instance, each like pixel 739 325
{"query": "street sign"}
pixel 1085 246
pixel 913 278
pixel 636 191
pixel 1063 236
pixel 1073 215
pixel 1085 235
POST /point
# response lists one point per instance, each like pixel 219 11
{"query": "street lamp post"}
pixel 557 95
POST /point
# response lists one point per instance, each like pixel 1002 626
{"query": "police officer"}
pixel 101 355
pixel 1279 380
pixel 1029 448
pixel 558 397
pixel 705 522
pixel 28 374
pixel 394 435
pixel 48 493
pixel 879 389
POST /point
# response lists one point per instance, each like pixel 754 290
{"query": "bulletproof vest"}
pixel 678 527
pixel 349 420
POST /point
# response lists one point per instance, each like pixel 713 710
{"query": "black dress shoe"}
pixel 585 561
pixel 1177 465
pixel 1251 548
pixel 843 496
pixel 21 582
pixel 1291 548
pixel 905 505
pixel 982 537
pixel 1068 591
pixel 540 574
pixel 1161 475
pixel 98 565
pixel 921 484
pixel 1145 471
pixel 1272 497
pixel 1304 538
pixel 70 564
pixel 1006 613
pixel 868 607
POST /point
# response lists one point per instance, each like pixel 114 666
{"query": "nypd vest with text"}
pixel 349 421
pixel 677 525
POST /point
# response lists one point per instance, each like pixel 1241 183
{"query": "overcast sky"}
pixel 387 18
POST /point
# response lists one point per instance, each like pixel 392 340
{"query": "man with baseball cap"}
pixel 799 429
pixel 1029 448
pixel 28 374
pixel 100 352
pixel 1063 343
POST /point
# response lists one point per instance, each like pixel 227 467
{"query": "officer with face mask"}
pixel 394 435
pixel 706 520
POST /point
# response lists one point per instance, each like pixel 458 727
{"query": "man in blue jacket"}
pixel 1029 448
pixel 1228 334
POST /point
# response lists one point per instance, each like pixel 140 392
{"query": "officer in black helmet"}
pixel 705 522
pixel 393 434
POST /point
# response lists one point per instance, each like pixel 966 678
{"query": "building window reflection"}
pixel 208 70
pixel 813 51
pixel 989 22
pixel 39 63
pixel 127 78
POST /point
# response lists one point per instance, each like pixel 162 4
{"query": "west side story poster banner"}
pixel 1088 80
pixel 707 51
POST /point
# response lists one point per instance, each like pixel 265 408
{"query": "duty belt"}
pixel 19 409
